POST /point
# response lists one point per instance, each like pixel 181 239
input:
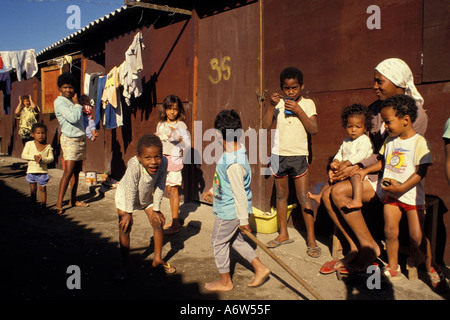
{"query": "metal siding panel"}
pixel 330 42
pixel 228 42
pixel 436 41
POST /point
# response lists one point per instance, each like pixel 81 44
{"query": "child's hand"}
pixel 291 105
pixel 37 158
pixel 157 218
pixel 75 98
pixel 274 99
pixel 394 187
pixel 334 165
pixel 208 197
pixel 245 228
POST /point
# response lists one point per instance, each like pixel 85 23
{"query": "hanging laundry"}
pixel 5 87
pixel 132 83
pixel 87 82
pixel 112 84
pixel 60 62
pixel 21 61
pixel 98 105
pixel 93 88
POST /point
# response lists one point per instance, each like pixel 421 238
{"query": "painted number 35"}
pixel 222 69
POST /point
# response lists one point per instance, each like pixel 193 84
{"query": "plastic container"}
pixel 91 178
pixel 265 222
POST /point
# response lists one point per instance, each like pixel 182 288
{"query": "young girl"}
pixel 175 139
pixel 404 159
pixel 39 154
pixel 356 120
pixel 142 188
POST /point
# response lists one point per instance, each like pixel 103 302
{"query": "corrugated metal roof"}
pixel 83 30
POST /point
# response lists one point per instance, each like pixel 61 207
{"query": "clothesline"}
pixel 104 90
pixel 20 61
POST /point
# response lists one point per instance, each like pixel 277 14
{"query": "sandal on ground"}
pixel 80 204
pixel 329 267
pixel 171 230
pixel 392 274
pixel 58 211
pixel 438 280
pixel 275 243
pixel 314 252
pixel 167 268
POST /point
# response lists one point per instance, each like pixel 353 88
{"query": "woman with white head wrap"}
pixel 392 77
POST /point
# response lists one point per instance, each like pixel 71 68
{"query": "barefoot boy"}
pixel 232 203
pixel 39 154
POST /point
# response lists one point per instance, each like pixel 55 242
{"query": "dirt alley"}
pixel 38 249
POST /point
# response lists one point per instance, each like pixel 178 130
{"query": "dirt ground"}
pixel 37 251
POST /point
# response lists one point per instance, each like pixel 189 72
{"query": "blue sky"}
pixel 37 24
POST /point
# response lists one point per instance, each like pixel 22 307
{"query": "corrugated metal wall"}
pixel 220 59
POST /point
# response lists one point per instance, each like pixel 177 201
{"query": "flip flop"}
pixel 274 243
pixel 81 204
pixel 314 252
pixel 167 268
pixel 329 267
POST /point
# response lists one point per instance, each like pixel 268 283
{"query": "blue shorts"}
pixel 39 178
pixel 288 166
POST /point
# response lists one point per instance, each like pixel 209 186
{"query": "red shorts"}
pixel 406 207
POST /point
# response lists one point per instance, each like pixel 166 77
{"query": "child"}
pixel 39 154
pixel 146 172
pixel 356 119
pixel 296 120
pixel 89 123
pixel 175 138
pixel 27 112
pixel 405 160
pixel 231 205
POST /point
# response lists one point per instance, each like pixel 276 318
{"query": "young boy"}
pixel 39 154
pixel 405 160
pixel 296 120
pixel 232 204
pixel 146 172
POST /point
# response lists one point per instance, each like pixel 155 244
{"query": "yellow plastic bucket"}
pixel 265 222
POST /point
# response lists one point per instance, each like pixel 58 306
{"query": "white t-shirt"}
pixel 356 150
pixel 291 138
pixel 401 158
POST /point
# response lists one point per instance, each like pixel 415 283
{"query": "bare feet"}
pixel 353 204
pixel 222 284
pixel 313 196
pixel 261 276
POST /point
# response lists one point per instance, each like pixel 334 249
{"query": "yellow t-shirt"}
pixel 291 138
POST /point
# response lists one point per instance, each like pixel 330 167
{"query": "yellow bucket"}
pixel 265 222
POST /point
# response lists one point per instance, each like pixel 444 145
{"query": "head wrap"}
pixel 398 72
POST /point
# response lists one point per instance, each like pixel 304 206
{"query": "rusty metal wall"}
pixel 228 76
pixel 330 42
pixel 167 63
